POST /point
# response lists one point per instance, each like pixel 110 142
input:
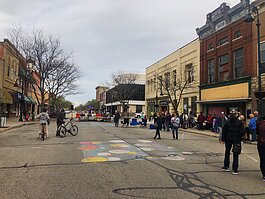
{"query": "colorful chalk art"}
pixel 119 150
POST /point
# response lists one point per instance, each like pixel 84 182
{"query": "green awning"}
pixel 27 100
pixel 5 97
pixel 33 101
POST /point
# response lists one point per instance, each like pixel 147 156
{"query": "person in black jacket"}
pixel 261 144
pixel 60 116
pixel 158 125
pixel 233 131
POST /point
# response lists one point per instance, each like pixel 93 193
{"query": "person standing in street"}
pixel 158 125
pixel 261 144
pixel 117 118
pixel 175 121
pixel 233 131
pixel 168 120
pixel 59 120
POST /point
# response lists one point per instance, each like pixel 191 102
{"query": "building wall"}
pixel 178 60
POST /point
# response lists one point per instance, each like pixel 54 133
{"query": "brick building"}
pixel 226 60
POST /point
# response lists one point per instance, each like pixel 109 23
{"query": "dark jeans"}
pixel 201 126
pixel 116 123
pixel 175 132
pixel 261 150
pixel 228 147
pixel 157 133
pixel 58 125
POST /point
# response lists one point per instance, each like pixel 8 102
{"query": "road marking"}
pixel 252 158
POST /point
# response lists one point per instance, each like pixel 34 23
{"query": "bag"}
pixel 175 125
pixel 237 148
pixel 155 125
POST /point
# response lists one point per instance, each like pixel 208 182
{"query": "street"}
pixel 107 162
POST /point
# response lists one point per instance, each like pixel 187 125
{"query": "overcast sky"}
pixel 111 35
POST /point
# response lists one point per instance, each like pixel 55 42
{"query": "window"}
pixel 189 73
pixel 237 34
pixel 223 41
pixel 224 75
pixel 174 78
pixel 185 104
pixel 262 57
pixel 139 108
pixel 211 71
pixel 167 79
pixel 238 62
pixel 223 59
pixel 210 46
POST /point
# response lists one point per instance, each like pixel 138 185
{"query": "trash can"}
pixel 3 121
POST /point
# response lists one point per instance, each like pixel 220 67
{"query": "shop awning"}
pixel 5 97
pixel 27 100
pixel 224 101
pixel 33 101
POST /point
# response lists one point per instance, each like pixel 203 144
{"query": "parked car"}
pixel 138 115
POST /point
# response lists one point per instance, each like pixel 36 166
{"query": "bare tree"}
pixel 174 88
pixel 57 74
pixel 123 87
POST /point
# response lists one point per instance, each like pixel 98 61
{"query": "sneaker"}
pixel 235 172
pixel 226 169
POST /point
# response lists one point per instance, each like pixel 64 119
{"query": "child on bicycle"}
pixel 44 119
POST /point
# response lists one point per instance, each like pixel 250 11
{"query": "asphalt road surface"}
pixel 103 161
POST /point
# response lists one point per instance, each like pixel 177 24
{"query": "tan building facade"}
pixel 181 66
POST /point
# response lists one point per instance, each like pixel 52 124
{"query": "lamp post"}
pixel 19 83
pixel 249 19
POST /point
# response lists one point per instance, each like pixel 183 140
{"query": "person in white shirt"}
pixel 175 122
pixel 44 119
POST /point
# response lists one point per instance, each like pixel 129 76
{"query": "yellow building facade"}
pixel 181 66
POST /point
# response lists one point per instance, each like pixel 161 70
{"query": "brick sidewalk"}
pixel 12 123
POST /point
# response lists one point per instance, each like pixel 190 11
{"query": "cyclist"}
pixel 44 119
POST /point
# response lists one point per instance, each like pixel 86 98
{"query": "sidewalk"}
pixel 12 123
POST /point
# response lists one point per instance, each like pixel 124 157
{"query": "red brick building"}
pixel 226 63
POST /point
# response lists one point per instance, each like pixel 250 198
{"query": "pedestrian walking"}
pixel 158 126
pixel 261 144
pixel 163 120
pixel 191 120
pixel 117 117
pixel 233 131
pixel 175 121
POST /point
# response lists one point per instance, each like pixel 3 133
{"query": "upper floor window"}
pixel 189 73
pixel 237 34
pixel 174 78
pixel 223 41
pixel 167 79
pixel 211 71
pixel 210 46
pixel 223 59
pixel 262 57
pixel 238 62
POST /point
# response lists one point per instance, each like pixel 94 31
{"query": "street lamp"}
pixel 249 18
pixel 19 83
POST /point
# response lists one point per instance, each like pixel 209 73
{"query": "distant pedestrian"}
pixel 117 117
pixel 175 121
pixel 191 120
pixel 252 125
pixel 261 144
pixel 201 119
pixel 233 131
pixel 158 126
pixel 168 121
pixel 163 121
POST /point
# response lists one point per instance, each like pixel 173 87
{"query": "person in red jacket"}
pixel 201 119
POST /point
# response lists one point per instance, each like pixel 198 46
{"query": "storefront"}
pixel 226 97
pixel 5 101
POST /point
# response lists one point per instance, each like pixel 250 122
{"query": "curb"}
pixel 200 132
pixel 5 129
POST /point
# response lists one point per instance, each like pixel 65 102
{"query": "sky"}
pixel 108 36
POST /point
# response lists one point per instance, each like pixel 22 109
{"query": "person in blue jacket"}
pixel 252 125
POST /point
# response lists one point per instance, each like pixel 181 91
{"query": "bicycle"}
pixel 43 133
pixel 63 129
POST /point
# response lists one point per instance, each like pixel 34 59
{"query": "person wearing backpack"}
pixel 175 121
pixel 261 144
